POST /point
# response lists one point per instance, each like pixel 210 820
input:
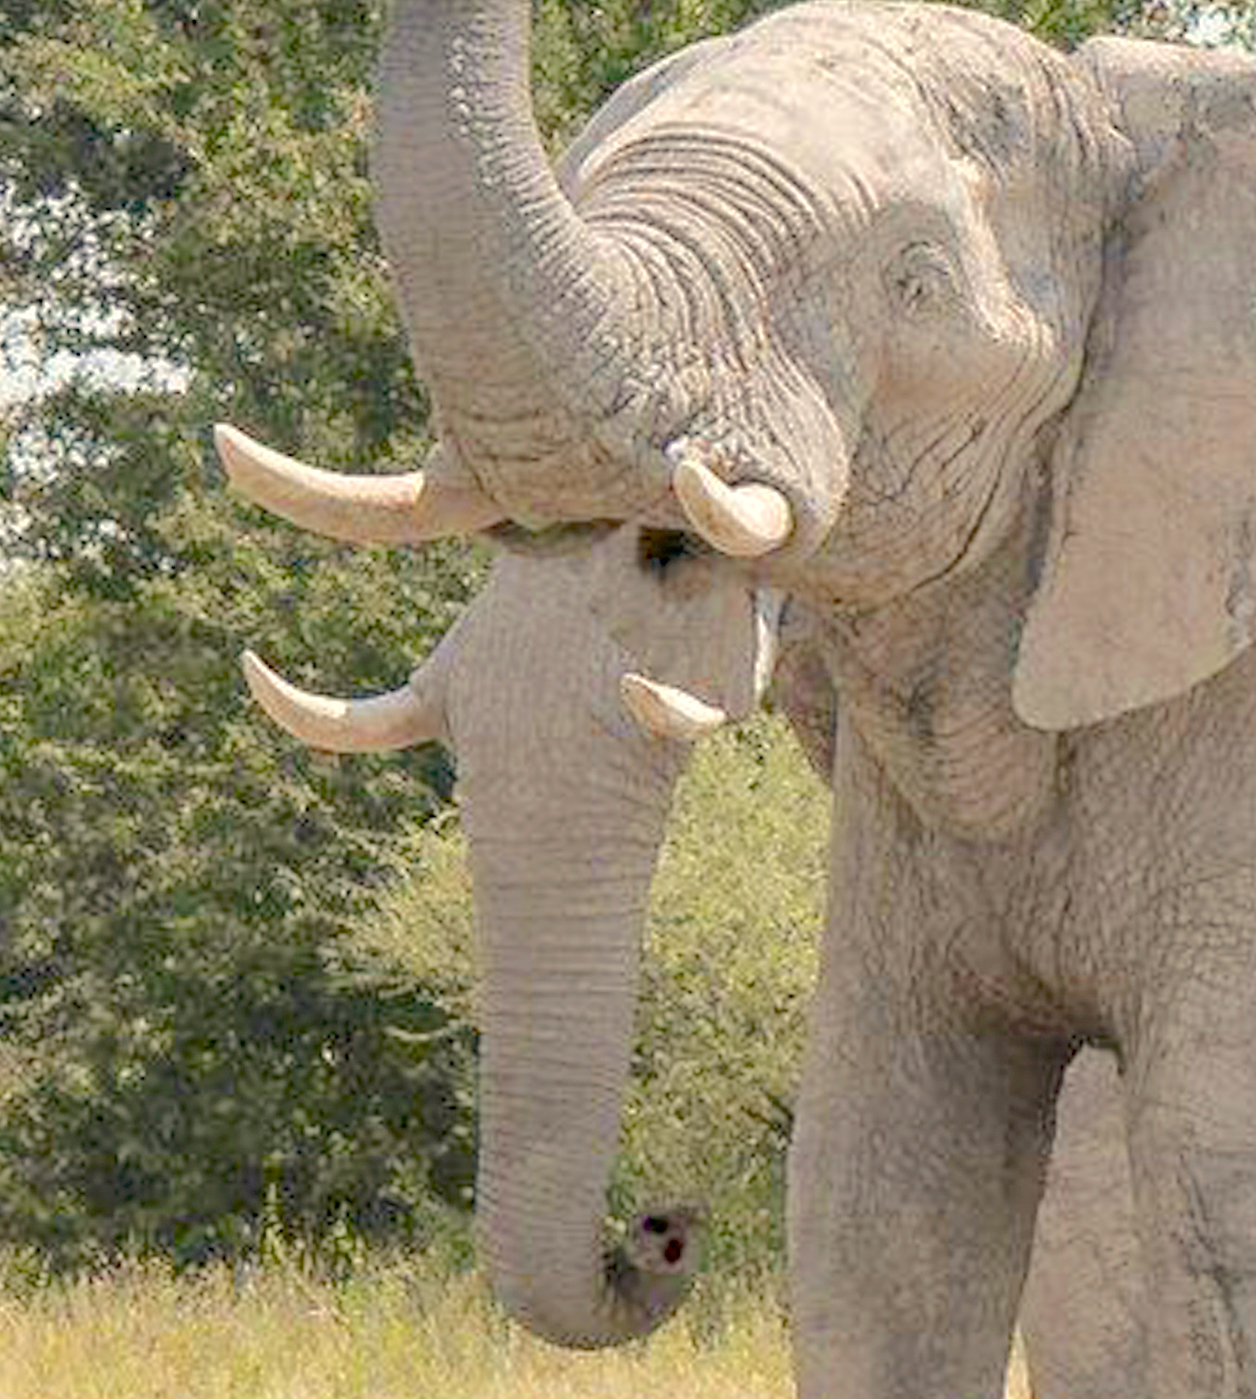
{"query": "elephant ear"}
pixel 1147 581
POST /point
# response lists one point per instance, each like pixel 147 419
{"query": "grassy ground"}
pixel 279 1334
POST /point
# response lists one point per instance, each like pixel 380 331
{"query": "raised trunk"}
pixel 564 802
pixel 512 304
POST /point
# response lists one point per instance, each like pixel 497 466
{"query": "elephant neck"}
pixel 927 682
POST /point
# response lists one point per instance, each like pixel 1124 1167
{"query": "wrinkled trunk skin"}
pixel 510 301
pixel 567 346
pixel 564 803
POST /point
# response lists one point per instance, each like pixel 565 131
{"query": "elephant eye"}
pixel 920 280
pixel 658 549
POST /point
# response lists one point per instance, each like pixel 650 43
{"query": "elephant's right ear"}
pixel 1148 584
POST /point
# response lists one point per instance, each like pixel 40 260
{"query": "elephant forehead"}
pixel 542 599
pixel 818 113
pixel 531 655
pixel 880 90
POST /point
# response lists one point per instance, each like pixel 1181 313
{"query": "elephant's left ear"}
pixel 1148 584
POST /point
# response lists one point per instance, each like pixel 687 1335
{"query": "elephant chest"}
pixel 1142 865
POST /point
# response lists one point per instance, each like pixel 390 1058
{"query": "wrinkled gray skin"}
pixel 985 315
pixel 1081 1305
pixel 564 800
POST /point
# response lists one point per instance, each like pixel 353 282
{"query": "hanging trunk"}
pixel 564 798
pixel 558 1003
pixel 515 309
pixel 564 803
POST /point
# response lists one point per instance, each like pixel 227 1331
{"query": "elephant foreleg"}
pixel 1083 1299
pixel 915 1176
pixel 1190 1088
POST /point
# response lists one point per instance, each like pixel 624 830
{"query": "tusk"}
pixel 744 521
pixel 769 604
pixel 377 725
pixel 666 712
pixel 404 509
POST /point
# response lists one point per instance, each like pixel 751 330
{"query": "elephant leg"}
pixel 1191 1112
pixel 915 1175
pixel 1083 1299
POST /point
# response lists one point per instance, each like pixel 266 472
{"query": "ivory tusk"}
pixel 769 604
pixel 744 521
pixel 666 712
pixel 380 724
pixel 407 509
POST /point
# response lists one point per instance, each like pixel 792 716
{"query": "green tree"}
pixel 183 185
pixel 200 1049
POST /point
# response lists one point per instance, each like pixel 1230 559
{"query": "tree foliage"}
pixel 193 1035
pixel 183 185
pixel 199 1048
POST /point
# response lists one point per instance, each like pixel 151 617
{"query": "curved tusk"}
pixel 406 509
pixel 666 712
pixel 744 521
pixel 377 725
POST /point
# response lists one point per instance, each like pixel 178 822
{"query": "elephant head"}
pixel 564 791
pixel 834 307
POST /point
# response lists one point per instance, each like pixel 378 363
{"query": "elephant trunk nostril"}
pixel 659 1243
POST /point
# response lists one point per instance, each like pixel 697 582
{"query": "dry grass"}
pixel 142 1333
pixel 145 1334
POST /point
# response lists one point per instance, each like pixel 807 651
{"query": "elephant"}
pixel 881 347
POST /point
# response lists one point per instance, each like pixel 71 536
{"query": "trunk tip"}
pixel 667 1243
